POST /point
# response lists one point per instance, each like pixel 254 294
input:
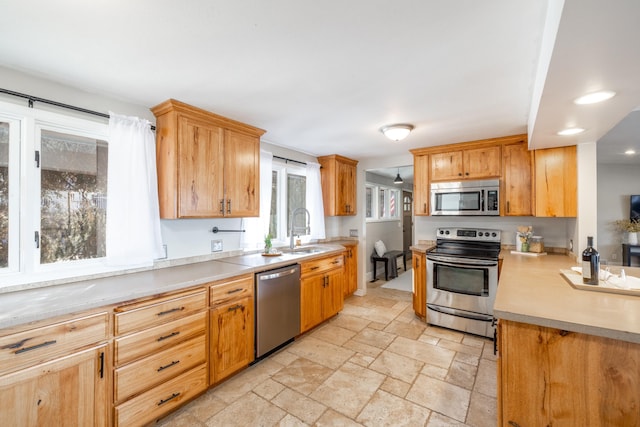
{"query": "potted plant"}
pixel 267 244
pixel 631 228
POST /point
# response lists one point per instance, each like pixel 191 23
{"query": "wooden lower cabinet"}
pixel 160 355
pixel 549 376
pixel 350 268
pixel 321 291
pixel 231 327
pixel 72 390
pixel 419 260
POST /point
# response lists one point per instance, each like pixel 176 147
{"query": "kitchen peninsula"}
pixel 566 356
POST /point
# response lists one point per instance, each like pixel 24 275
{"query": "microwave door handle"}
pixel 481 200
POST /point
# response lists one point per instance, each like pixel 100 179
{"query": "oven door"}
pixel 462 283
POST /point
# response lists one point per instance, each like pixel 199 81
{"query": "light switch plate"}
pixel 353 232
pixel 216 245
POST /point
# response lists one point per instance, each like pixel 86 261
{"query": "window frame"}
pixel 283 170
pixel 386 191
pixel 27 267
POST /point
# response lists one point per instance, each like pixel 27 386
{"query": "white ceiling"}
pixel 323 77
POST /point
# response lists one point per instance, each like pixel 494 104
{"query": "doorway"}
pixel 407 220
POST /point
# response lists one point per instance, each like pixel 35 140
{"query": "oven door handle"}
pixel 456 262
pixel 458 313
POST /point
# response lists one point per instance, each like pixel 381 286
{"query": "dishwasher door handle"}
pixel 277 275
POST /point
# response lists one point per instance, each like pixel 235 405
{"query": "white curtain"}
pixel 314 200
pixel 133 235
pixel 257 228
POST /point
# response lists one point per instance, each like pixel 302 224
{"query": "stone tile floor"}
pixel 374 364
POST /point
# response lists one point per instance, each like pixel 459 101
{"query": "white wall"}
pixel 616 183
pixel 587 196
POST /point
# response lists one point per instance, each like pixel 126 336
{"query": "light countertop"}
pixel 29 305
pixel 532 290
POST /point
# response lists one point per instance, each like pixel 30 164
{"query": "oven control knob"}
pixel 441 231
pixel 480 234
pixel 493 234
pixel 446 232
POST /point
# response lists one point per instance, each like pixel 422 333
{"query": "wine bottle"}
pixel 590 264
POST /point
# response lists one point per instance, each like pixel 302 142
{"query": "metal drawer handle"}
pixel 162 368
pixel 315 267
pixel 173 310
pixel 336 262
pixel 34 347
pixel 163 401
pixel 172 334
pixel 234 291
pixel 235 307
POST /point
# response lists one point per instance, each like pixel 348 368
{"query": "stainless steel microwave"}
pixel 466 198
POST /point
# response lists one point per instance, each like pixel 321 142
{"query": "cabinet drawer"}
pixel 135 377
pixel 226 291
pixel 162 399
pixel 37 345
pixel 151 340
pixel 136 317
pixel 321 265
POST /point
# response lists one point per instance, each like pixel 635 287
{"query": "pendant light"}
pixel 398 179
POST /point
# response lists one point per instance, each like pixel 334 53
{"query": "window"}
pixel 289 192
pixel 73 186
pixel 53 193
pixel 384 206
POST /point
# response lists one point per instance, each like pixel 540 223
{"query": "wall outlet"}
pixel 614 256
pixel 164 252
pixel 353 232
pixel 216 245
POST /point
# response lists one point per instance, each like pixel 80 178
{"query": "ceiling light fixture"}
pixel 630 152
pixel 398 179
pixel 595 97
pixel 570 131
pixel 396 132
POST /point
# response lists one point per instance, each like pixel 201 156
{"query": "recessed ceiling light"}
pixel 570 131
pixel 592 98
pixel 630 152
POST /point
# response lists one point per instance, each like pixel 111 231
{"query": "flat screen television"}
pixel 634 208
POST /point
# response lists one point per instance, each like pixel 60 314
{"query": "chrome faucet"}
pixel 295 229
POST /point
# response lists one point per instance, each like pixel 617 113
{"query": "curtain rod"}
pixel 289 160
pixel 33 99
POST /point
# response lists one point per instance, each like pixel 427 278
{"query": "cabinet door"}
pixel 574 379
pixel 346 190
pixel 446 166
pixel 419 285
pixel 351 270
pixel 69 391
pixel 231 338
pixel 556 182
pixel 517 180
pixel 311 294
pixel 200 169
pixel 241 174
pixel 333 294
pixel 421 190
pixel 482 162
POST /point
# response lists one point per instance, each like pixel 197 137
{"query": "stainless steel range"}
pixel 462 279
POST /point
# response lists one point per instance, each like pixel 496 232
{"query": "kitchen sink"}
pixel 303 250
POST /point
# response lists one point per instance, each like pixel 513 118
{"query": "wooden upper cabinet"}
pixel 339 177
pixel 472 163
pixel 208 165
pixel 556 183
pixel 517 165
pixel 421 191
pixel 446 166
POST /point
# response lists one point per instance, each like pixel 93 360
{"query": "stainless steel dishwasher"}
pixel 277 308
